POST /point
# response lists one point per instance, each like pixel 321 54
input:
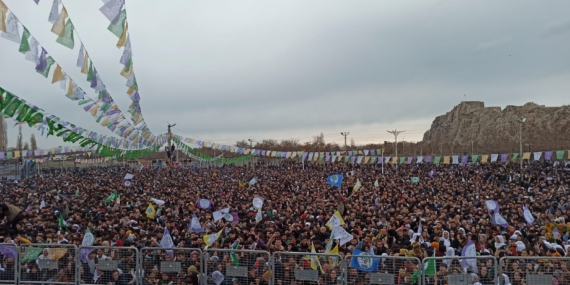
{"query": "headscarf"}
pixel 446 241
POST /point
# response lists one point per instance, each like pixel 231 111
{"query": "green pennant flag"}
pixel 233 257
pixel 5 99
pixel 10 110
pixel 402 159
pixel 90 72
pixel 515 155
pixel 346 158
pixel 50 62
pixel 112 198
pixel 25 44
pixel 474 158
pixel 31 253
pixel 429 269
pixel 23 112
pixel 35 118
pixel 67 39
pixel 560 154
pixel 415 180
pixel 119 27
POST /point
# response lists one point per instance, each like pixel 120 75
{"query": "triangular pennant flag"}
pixel 57 74
pixel 59 26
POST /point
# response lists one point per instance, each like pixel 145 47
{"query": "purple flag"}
pixel 195 225
pixel 263 152
pixel 94 81
pixel 350 153
pixel 42 65
pixel 136 97
pixel 37 2
pixel 283 154
pixel 305 156
pixel 428 159
pixel 328 158
pixel 112 9
pixel 547 155
pixel 373 152
pixel 499 220
pixel 469 250
pixel 504 157
pixel 432 172
pixel 84 254
pixel 8 251
pixel 204 203
pixel 464 160
pixel 410 159
pixel 380 160
pixel 234 218
pixel 352 159
pixel 88 107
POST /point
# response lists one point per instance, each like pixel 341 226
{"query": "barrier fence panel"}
pixel 104 265
pixel 299 268
pixel 48 263
pixel 459 270
pixel 165 265
pixel 10 258
pixel 244 266
pixel 374 269
pixel 531 270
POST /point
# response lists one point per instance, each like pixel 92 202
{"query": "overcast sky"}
pixel 231 70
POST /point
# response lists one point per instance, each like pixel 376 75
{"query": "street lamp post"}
pixel 396 133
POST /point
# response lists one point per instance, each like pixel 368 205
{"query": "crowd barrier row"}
pixel 68 264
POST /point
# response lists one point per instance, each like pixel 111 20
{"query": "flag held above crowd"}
pixel 335 180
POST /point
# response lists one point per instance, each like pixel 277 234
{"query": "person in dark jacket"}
pixel 14 215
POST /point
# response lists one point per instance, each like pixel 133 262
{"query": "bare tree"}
pixel 242 143
pixel 3 134
pixel 26 146
pixel 20 141
pixel 33 142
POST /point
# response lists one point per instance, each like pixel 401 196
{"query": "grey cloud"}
pixel 493 44
pixel 556 28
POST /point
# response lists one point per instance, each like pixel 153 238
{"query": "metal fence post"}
pixel 291 267
pixel 534 269
pixel 459 269
pixel 243 265
pixel 48 263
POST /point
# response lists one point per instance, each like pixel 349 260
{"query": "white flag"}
pixel 81 57
pixel 32 55
pixel 43 204
pixel 257 202
pixel 128 176
pixel 341 234
pixel 157 201
pixel 12 31
pixel 218 215
pixel 258 216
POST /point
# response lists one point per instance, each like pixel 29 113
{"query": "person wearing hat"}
pixel 235 281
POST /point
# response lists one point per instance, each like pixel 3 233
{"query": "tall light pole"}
pixel 345 134
pixel 521 122
pixel 396 133
pixel 250 143
pixel 170 141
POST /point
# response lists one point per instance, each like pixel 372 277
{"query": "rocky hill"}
pixel 492 129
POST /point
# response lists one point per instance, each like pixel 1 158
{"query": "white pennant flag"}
pixel 257 202
pixel 63 83
pixel 218 215
pixel 54 12
pixel 127 52
pixel 131 80
pixel 81 57
pixel 33 55
pixel 12 31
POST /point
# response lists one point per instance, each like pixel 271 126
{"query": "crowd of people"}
pixel 416 211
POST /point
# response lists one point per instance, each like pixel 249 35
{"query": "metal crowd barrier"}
pixel 244 266
pixel 531 270
pixel 109 264
pixel 458 270
pixel 308 268
pixel 174 264
pixel 48 263
pixel 385 269
pixel 10 257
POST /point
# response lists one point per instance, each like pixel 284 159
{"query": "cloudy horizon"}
pixel 226 71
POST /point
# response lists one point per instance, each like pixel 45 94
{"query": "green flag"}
pixel 62 222
pixel 436 160
pixel 67 39
pixel 10 110
pixel 402 159
pixel 22 112
pixel 429 269
pixel 415 180
pixel 233 257
pixel 559 154
pixel 34 118
pixel 5 98
pixel 31 253
pixel 90 73
pixel 515 155
pixel 24 44
pixel 112 197
pixel 50 62
pixel 118 28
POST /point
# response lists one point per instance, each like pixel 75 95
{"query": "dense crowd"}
pixel 439 214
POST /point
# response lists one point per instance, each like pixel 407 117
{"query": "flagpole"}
pixel 382 161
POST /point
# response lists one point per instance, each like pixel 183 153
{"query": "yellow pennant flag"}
pixel 70 89
pixel 150 211
pixel 85 68
pixel 333 261
pixel 357 185
pixel 59 26
pixel 242 184
pixel 127 73
pixel 315 264
pixel 94 110
pixel 130 91
pixel 3 12
pixel 123 40
pixel 57 253
pixel 335 221
pixel 105 121
pixel 211 239
pixel 57 75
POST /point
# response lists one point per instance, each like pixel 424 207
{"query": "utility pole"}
pixel 521 122
pixel 345 134
pixel 396 133
pixel 250 143
pixel 170 140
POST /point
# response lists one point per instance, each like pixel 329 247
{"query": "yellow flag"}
pixel 59 26
pixel 105 121
pixel 484 158
pixel 70 89
pixel 16 153
pixel 315 264
pixel 150 211
pixel 357 185
pixel 125 73
pixel 526 155
pixel 85 68
pixel 57 75
pixel 123 40
pixel 211 239
pixel 57 253
pixel 446 159
pixel 335 221
pixel 130 91
pixel 3 11
pixel 333 261
pixel 242 184
pixel 94 110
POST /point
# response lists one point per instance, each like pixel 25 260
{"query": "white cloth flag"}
pixel 257 202
pixel 112 9
pixel 528 216
pixel 419 159
pixel 63 83
pixel 32 55
pixel 537 155
pixel 81 57
pixel 258 216
pixel 12 31
pixel 386 159
pixel 218 215
pixel 42 204
pixel 494 157
pixel 342 235
pixel 127 52
pixel 54 13
pixel 166 242
pixel 157 201
pixel 131 80
pixel 455 159
pixel 128 176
